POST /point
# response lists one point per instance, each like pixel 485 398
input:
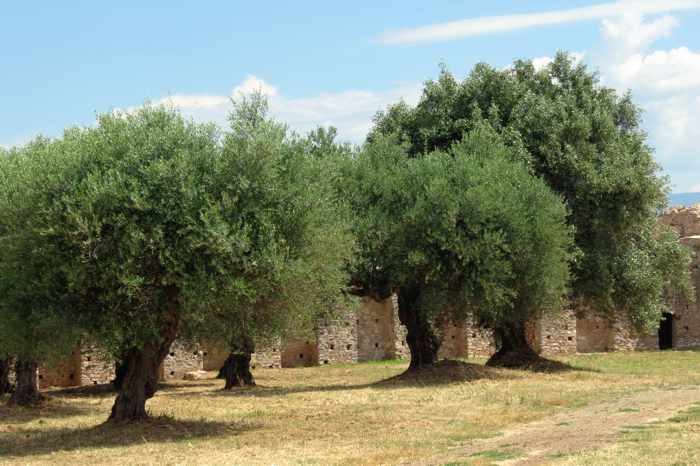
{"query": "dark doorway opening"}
pixel 666 331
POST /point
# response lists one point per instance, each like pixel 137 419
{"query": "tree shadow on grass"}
pixel 442 373
pixel 537 364
pixel 105 390
pixel 176 385
pixel 161 429
pixel 48 408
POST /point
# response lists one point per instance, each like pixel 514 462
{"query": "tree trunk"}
pixel 120 369
pixel 26 384
pixel 236 369
pixel 5 385
pixel 422 341
pixel 514 350
pixel 140 379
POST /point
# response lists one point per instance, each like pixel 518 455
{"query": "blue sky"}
pixel 335 62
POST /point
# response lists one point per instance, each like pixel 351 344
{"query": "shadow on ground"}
pixel 49 408
pixel 532 363
pixel 29 442
pixel 105 390
pixel 442 373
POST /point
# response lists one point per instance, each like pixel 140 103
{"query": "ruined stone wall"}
pixel 97 367
pixel 685 220
pixel 453 342
pixel 183 357
pixel 401 350
pixel 214 354
pixel 64 373
pixel 338 338
pixel 299 352
pixel 626 338
pixel 593 333
pixel 267 355
pixel 480 341
pixel 686 314
pixel 375 330
pixel 555 333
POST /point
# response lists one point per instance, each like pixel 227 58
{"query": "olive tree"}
pixel 152 224
pixel 294 218
pixel 465 229
pixel 35 322
pixel 586 142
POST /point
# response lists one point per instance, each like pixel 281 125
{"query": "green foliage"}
pixel 294 225
pixel 148 219
pixel 653 265
pixel 585 141
pixel 35 319
pixel 470 228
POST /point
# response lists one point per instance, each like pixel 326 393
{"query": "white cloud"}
pixel 541 62
pixel 629 32
pixel 494 24
pixel 254 84
pixel 666 83
pixel 661 71
pixel 350 111
pixel 695 189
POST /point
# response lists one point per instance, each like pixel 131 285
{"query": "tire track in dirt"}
pixel 591 427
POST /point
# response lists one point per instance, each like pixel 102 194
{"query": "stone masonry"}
pixel 337 339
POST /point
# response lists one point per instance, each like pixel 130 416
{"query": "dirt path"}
pixel 590 427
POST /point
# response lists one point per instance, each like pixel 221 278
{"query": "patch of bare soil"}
pixel 586 428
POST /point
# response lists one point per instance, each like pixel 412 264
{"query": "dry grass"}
pixel 675 441
pixel 349 414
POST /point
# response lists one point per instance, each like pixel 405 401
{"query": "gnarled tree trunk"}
pixel 236 369
pixel 421 339
pixel 26 383
pixel 140 379
pixel 5 385
pixel 514 350
pixel 120 369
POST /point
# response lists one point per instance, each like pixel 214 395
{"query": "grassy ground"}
pixel 675 441
pixel 363 414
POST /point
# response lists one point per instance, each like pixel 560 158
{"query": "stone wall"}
pixel 64 373
pixel 300 352
pixel 593 333
pixel 453 342
pixel 97 367
pixel 375 330
pixel 214 355
pixel 686 314
pixel 183 357
pixel 267 355
pixel 626 338
pixel 685 220
pixel 338 338
pixel 401 350
pixel 480 341
pixel 555 333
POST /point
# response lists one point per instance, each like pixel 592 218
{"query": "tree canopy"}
pixel 293 216
pixel 36 324
pixel 586 142
pixel 464 230
pixel 155 224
